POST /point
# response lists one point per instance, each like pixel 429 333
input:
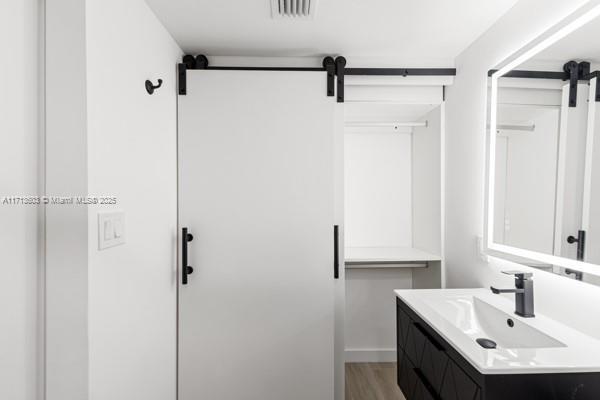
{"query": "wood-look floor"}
pixel 372 381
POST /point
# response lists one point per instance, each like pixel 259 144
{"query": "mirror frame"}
pixel 576 20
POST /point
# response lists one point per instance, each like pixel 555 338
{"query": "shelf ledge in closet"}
pixel 394 257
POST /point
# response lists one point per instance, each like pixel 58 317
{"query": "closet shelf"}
pixel 402 256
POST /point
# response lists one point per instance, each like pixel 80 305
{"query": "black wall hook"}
pixel 150 87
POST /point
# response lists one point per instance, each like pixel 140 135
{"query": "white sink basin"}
pixel 523 345
pixel 478 319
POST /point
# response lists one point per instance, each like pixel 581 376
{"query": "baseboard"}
pixel 370 355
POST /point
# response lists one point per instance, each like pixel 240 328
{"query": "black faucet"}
pixel 523 293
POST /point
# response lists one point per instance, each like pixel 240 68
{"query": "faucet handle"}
pixel 519 274
pixel 498 291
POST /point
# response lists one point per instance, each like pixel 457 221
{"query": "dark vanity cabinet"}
pixel 426 370
pixel 430 369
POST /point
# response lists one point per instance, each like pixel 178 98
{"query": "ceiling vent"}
pixel 302 9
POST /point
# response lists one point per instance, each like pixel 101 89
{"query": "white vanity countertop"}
pixel 450 313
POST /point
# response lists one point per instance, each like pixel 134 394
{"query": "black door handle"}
pixel 185 268
pixel 580 240
pixel 336 252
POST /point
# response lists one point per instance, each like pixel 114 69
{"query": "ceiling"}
pixel 426 32
pixel 579 45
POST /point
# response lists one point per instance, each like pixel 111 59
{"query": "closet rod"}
pixel 384 124
pixel 515 127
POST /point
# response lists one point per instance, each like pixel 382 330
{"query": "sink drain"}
pixel 486 343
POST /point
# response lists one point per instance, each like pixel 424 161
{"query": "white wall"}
pixel 18 176
pixel 66 324
pixel 427 182
pixel 111 313
pixel 523 179
pixel 370 328
pixel 132 155
pixel 465 168
pixel 377 185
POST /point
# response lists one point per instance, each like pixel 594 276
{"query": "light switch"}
pixel 108 230
pixel 111 229
pixel 118 228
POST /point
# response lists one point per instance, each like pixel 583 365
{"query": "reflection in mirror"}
pixel 545 181
pixel 525 190
pixel 569 273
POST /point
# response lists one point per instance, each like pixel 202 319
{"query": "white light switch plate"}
pixel 111 229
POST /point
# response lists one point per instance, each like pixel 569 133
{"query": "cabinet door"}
pixel 407 379
pixel 423 390
pixel 457 385
pixel 434 361
pixel 414 384
pixel 403 323
pixel 415 344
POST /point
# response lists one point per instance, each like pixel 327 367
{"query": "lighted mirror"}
pixel 544 155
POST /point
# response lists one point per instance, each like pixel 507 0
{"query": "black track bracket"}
pixel 576 71
pixel 182 79
pixel 340 66
pixel 329 66
pixel 572 69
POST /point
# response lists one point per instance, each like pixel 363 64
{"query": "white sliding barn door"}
pixel 256 190
pixel 571 167
pixel 591 189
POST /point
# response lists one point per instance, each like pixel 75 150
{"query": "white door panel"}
pixel 591 192
pixel 256 320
